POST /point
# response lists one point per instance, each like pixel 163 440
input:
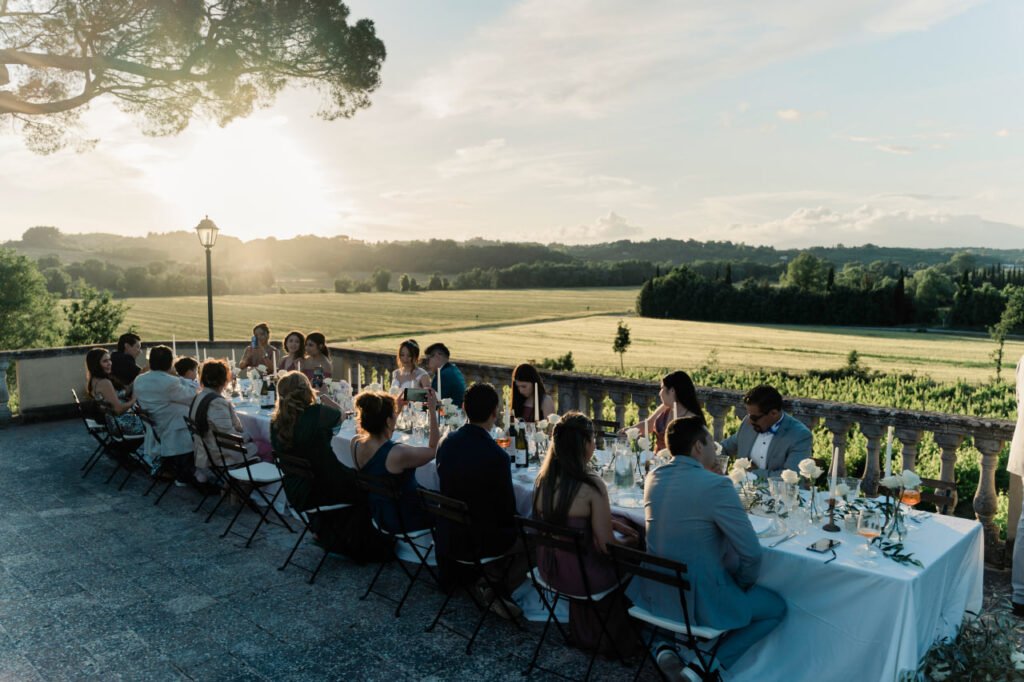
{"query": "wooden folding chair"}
pixel 457 512
pixel 386 488
pixel 569 541
pixel 645 566
pixel 301 468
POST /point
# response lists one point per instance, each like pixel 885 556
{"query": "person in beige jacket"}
pixel 211 409
pixel 1015 465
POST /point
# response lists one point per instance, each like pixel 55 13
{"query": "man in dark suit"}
pixel 695 516
pixel 474 469
pixel 771 439
pixel 123 363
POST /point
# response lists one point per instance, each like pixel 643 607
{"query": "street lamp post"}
pixel 207 232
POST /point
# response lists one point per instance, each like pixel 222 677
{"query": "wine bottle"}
pixel 520 441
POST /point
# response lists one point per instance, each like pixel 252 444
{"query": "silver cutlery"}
pixel 779 542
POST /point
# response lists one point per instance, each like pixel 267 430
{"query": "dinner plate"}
pixel 629 502
pixel 762 525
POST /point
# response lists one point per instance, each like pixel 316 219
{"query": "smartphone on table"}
pixel 823 545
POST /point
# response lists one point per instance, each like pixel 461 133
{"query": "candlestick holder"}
pixel 831 526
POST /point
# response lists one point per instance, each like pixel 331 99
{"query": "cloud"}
pixel 585 58
pixel 611 227
pixel 1003 132
pixel 788 114
pixel 900 149
pixel 824 226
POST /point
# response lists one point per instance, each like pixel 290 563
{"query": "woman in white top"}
pixel 408 374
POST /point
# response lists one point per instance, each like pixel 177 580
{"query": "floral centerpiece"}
pixel 896 484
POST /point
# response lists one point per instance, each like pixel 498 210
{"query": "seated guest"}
pixel 474 469
pixel 109 394
pixel 409 374
pixel 678 398
pixel 694 516
pixel 374 452
pixel 317 363
pixel 568 494
pixel 302 428
pixel 770 438
pixel 211 409
pixel 165 398
pixel 453 384
pixel 187 369
pixel 294 351
pixel 259 352
pixel 123 361
pixel 528 384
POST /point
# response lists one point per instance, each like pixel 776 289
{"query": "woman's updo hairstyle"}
pixel 373 411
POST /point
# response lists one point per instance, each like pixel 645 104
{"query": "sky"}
pixel 792 124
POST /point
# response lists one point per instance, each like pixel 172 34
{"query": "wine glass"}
pixel 869 526
pixel 910 497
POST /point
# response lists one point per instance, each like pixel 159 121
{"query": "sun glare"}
pixel 253 177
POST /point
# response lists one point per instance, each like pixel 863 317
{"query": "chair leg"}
pixel 540 642
pixel 233 519
pixel 220 500
pixel 440 611
pixel 373 582
pixel 117 468
pixel 318 567
pixel 648 655
pixel 152 484
pixel 127 475
pixel 295 548
pixel 419 569
pixel 270 506
pixel 263 517
pixel 169 485
pixel 97 456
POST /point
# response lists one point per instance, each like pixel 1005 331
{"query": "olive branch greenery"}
pixel 894 551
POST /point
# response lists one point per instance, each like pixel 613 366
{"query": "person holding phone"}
pixel 317 364
pixel 408 373
pixel 694 516
pixel 260 352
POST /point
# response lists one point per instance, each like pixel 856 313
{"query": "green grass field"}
pixel 512 326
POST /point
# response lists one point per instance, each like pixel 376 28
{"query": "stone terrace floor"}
pixel 100 584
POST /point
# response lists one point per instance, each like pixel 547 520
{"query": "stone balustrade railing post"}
pixel 5 397
pixel 910 439
pixel 873 432
pixel 840 429
pixel 718 412
pixel 619 398
pixel 985 500
pixel 948 444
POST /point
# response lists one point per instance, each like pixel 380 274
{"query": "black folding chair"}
pixel 645 566
pixel 150 424
pixel 123 449
pixel 301 468
pixel 457 512
pixel 96 429
pixel 569 541
pixel 257 476
pixel 216 465
pixel 386 488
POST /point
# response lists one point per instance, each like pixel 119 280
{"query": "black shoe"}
pixel 206 488
pixel 1018 609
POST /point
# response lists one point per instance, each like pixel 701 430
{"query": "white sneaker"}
pixel 674 667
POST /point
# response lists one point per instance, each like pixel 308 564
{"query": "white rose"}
pixel 743 463
pixel 644 442
pixel 542 424
pixel 892 482
pixel 538 436
pixel 910 479
pixel 646 456
pixel 737 476
pixel 789 476
pixel 842 490
pixel 446 401
pixel 633 433
pixel 262 368
pixel 374 387
pixel 809 470
pixel 554 419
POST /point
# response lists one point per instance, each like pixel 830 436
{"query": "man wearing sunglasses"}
pixel 770 438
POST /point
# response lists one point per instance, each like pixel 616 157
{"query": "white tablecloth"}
pixel 846 620
pixel 255 421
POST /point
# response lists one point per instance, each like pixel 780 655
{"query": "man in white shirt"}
pixel 770 438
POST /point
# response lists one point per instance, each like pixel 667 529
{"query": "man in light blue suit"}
pixel 694 516
pixel 771 439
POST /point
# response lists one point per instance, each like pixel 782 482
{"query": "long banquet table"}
pixel 845 620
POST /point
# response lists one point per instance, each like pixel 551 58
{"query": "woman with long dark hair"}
pixel 678 396
pixel 409 374
pixel 317 363
pixel 302 428
pixel 294 351
pixel 108 392
pixel 526 387
pixel 567 493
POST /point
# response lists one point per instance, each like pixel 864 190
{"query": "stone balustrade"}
pixel 44 377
